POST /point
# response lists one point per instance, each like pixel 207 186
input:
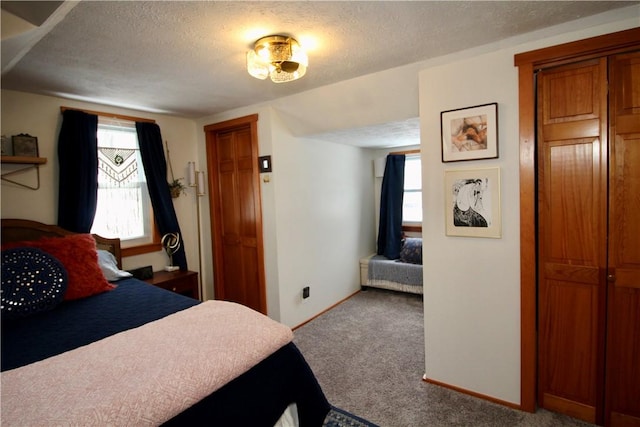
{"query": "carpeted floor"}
pixel 368 355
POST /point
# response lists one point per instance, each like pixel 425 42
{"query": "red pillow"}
pixel 78 255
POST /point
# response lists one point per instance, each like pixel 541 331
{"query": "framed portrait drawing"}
pixel 472 203
pixel 25 145
pixel 470 133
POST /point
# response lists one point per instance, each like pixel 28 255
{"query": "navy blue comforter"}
pixel 79 322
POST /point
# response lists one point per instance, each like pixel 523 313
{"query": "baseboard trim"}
pixel 473 393
pixel 325 310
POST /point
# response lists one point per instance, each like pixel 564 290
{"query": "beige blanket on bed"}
pixel 143 376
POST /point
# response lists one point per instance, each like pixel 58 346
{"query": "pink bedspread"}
pixel 143 376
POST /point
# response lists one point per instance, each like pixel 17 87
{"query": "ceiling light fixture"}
pixel 279 57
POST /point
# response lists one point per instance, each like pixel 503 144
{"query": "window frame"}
pixel 412 227
pixel 154 245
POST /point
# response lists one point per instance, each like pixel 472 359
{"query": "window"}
pixel 412 201
pixel 124 207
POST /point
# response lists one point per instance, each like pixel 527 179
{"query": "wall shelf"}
pixel 28 163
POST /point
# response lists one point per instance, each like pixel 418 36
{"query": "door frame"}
pixel 528 63
pixel 250 121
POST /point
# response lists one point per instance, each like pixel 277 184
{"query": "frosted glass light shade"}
pixel 192 174
pixel 278 57
pixel 257 67
pixel 200 187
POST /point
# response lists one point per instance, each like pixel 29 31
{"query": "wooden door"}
pixel 623 333
pixel 232 157
pixel 572 213
pixel 528 64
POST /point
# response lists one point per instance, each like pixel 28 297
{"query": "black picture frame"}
pixel 469 133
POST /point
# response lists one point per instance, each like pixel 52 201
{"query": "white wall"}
pixel 40 116
pixel 323 217
pixel 317 216
pixel 472 285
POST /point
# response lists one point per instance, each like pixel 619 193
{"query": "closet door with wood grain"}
pixel 623 325
pixel 572 237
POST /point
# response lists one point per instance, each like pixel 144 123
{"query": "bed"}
pixel 135 354
pixel 403 274
pixel 377 271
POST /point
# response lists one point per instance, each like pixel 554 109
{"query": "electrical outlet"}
pixel 305 292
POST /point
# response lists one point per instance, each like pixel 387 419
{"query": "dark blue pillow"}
pixel 32 281
pixel 411 251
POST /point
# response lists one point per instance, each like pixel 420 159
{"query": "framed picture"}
pixel 470 133
pixel 7 146
pixel 472 203
pixel 25 145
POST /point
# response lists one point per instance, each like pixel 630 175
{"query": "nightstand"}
pixel 181 282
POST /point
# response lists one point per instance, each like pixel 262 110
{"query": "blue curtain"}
pixel 155 169
pixel 78 160
pixel 390 227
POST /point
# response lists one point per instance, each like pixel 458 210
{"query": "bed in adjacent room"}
pixel 78 349
pixel 403 274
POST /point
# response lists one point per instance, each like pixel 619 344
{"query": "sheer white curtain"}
pixel 121 184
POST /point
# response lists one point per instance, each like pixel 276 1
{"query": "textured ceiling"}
pixel 188 58
pixel 384 135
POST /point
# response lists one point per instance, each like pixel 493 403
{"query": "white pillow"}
pixel 109 266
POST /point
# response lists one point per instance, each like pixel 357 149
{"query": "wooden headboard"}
pixel 16 230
